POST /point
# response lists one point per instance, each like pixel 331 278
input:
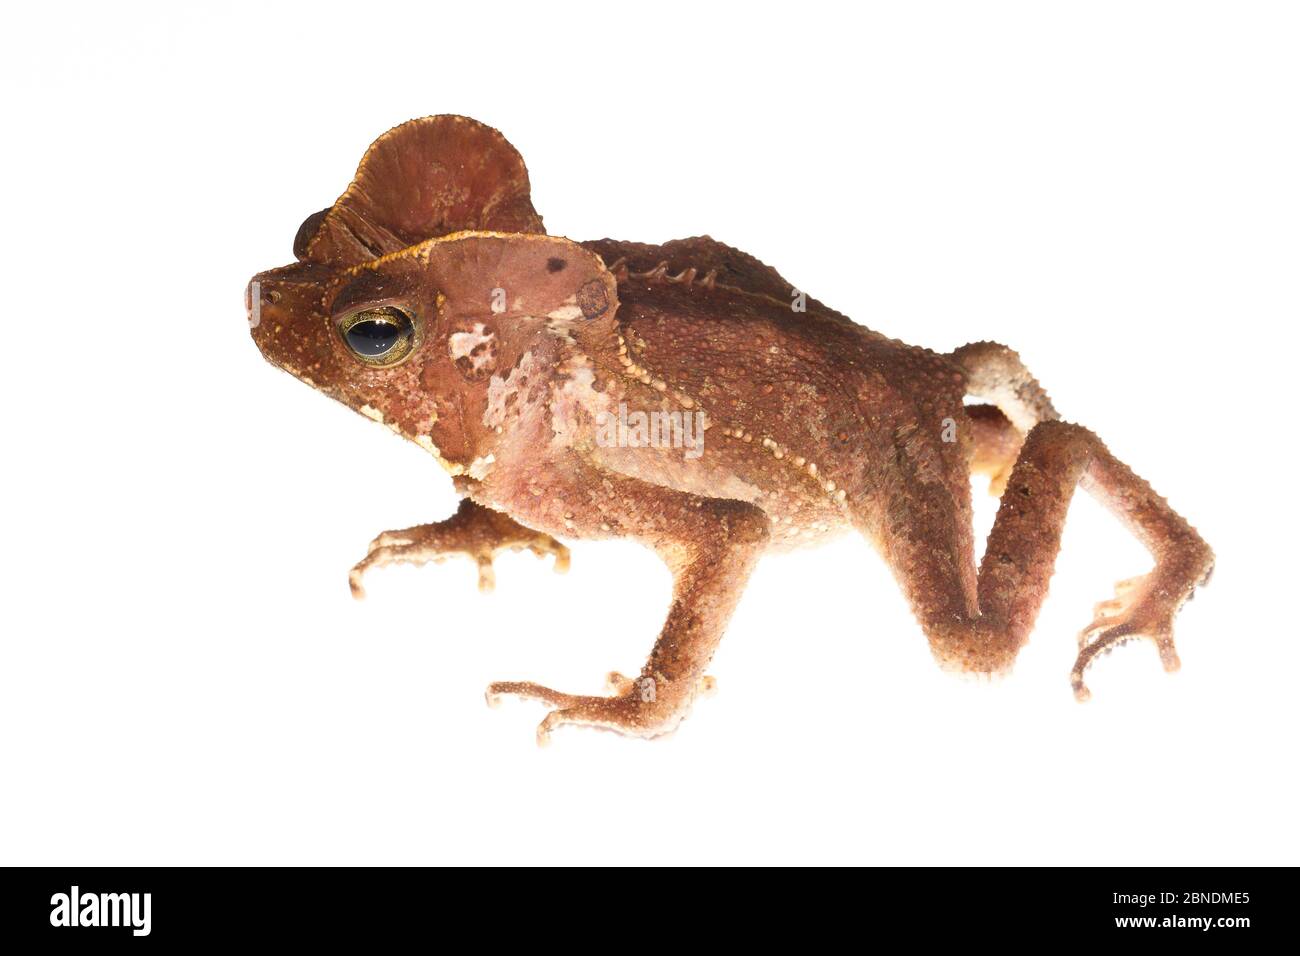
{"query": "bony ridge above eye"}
pixel 379 336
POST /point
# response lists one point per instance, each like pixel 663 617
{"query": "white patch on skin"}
pixel 479 467
pixel 462 345
pixel 372 413
pixel 565 313
pixel 494 414
pixel 575 400
pixel 453 468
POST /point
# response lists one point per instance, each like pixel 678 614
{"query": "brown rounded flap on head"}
pixel 528 275
pixel 424 179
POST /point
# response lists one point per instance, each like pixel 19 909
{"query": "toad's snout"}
pixel 286 325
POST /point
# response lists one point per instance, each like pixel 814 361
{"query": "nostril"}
pixel 255 296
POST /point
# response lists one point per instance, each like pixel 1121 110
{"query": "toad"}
pixel 687 396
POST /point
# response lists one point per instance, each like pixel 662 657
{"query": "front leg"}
pixel 473 530
pixel 711 546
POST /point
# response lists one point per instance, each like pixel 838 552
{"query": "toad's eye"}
pixel 382 336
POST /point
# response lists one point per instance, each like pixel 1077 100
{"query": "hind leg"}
pixel 995 373
pixel 1143 606
pixel 983 632
pixel 997 445
pixel 1026 536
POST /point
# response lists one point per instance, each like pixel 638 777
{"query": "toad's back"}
pixel 801 398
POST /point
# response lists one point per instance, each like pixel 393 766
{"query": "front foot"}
pixel 473 530
pixel 637 707
pixel 1140 608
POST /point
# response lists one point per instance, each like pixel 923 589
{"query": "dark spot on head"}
pixel 555 264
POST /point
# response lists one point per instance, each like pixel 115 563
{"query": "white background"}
pixel 1110 188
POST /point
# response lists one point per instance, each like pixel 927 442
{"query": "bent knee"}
pixel 975 647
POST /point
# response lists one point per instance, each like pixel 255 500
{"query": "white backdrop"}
pixel 1110 188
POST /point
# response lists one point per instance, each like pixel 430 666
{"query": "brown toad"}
pixel 688 396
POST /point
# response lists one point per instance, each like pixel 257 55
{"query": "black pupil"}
pixel 374 337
